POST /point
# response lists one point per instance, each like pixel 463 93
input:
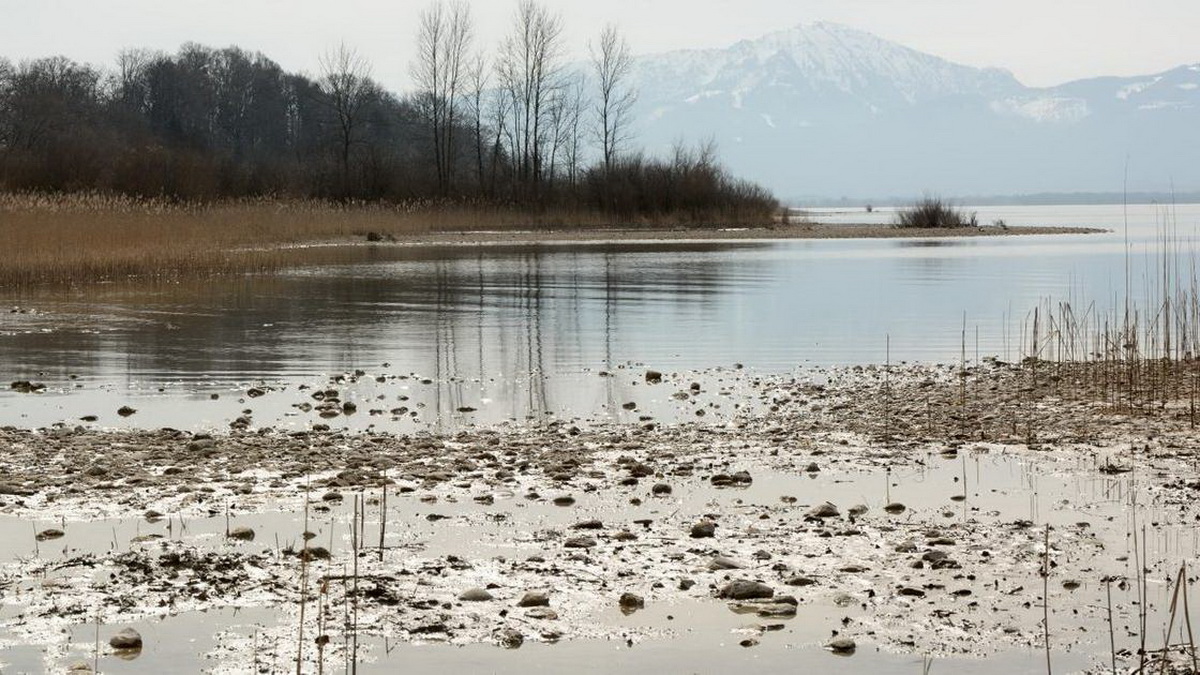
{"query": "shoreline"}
pixel 798 501
pixel 715 234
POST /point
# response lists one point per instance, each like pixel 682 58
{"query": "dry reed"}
pixel 86 237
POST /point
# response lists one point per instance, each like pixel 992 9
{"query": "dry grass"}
pixel 86 238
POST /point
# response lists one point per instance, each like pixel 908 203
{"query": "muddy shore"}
pixel 902 508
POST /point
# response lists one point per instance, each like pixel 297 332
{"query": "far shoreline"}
pixel 703 234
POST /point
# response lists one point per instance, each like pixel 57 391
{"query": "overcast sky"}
pixel 1043 42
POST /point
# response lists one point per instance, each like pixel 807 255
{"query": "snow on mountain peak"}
pixel 823 57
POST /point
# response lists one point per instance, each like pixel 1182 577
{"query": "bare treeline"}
pixel 520 127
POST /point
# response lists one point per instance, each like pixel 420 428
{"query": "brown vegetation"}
pixel 84 238
pixel 932 212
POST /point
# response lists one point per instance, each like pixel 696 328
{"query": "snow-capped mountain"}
pixel 823 109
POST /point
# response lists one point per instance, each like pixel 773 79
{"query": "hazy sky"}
pixel 1043 42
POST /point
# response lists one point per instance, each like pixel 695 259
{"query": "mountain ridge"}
pixel 921 123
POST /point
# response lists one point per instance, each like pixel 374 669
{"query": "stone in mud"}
pixel 801 581
pixel 579 542
pixel 745 590
pixel 95 471
pixel 742 478
pixel 128 638
pixel 631 601
pixel 27 387
pixel 50 533
pixel 821 511
pixel 704 529
pixel 588 525
pixel 843 646
pixel 475 595
pixel 332 496
pixel 625 535
pixel 660 490
pixel 895 508
pixel 152 516
pixel 686 584
pixel 542 613
pixel 812 468
pixel 79 668
pixel 534 599
pixel 125 411
pixel 653 377
pixel 565 500
pixel 858 510
pixel 313 553
pixel 910 592
pixel 509 638
pixel 242 534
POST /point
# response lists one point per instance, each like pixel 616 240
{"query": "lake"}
pixel 518 331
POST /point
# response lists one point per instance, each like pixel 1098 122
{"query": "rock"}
pixel 128 638
pixel 475 595
pixel 745 590
pixel 565 500
pixel 78 668
pixel 704 529
pixel 542 613
pixel 742 478
pixel 95 471
pixel 625 535
pixel 801 581
pixel 579 542
pixel 509 638
pixel 858 510
pixel 242 534
pixel 332 496
pixel 27 387
pixel 49 533
pixel 895 508
pixel 910 591
pixel 534 599
pixel 653 377
pixel 686 584
pixel 821 511
pixel 125 411
pixel 812 468
pixel 844 646
pixel 631 601
pixel 152 516
pixel 660 490
pixel 314 553
pixel 588 525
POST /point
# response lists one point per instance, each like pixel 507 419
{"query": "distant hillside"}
pixel 827 110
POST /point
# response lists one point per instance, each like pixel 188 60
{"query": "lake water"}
pixel 516 331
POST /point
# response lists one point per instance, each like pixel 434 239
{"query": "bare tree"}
pixel 440 70
pixel 477 83
pixel 347 88
pixel 612 64
pixel 529 71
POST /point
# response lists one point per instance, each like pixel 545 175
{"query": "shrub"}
pixel 932 212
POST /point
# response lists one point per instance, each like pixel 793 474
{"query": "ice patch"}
pixel 1188 86
pixel 767 118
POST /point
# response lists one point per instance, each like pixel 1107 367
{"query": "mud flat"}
pixel 863 511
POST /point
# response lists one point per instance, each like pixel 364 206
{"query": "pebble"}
pixel 704 529
pixel 842 646
pixel 745 590
pixel 475 595
pixel 128 638
pixel 534 599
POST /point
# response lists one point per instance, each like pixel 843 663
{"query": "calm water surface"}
pixel 520 329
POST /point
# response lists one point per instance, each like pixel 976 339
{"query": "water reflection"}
pixel 519 330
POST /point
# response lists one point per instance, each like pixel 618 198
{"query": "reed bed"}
pixel 86 238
